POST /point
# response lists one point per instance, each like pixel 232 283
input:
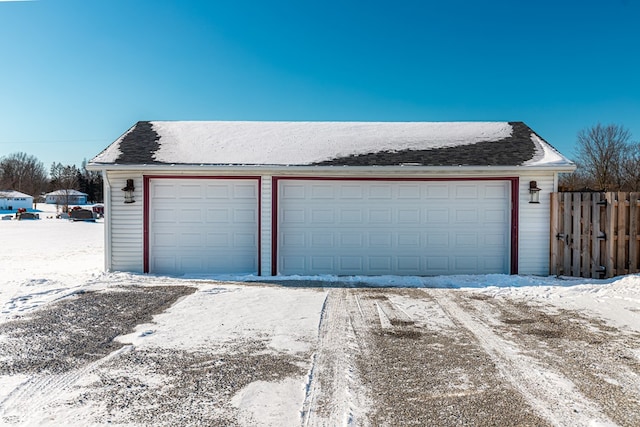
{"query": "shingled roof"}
pixel 332 144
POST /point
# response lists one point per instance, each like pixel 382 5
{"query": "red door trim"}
pixel 515 184
pixel 146 198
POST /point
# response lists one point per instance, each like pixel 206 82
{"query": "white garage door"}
pixel 400 228
pixel 203 226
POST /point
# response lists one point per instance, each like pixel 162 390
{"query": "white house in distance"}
pixel 69 197
pixel 13 200
pixel 340 198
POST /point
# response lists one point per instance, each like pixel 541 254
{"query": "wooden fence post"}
pixel 596 212
pixel 621 258
pixel 576 235
pixel 633 232
pixel 554 259
pixel 566 230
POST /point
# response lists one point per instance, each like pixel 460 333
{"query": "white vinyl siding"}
pixel 534 226
pixel 126 224
pixel 265 215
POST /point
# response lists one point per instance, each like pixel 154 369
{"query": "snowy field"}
pixel 82 347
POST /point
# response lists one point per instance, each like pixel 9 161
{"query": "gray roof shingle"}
pixel 379 144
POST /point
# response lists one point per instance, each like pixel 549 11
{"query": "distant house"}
pixel 14 200
pixel 66 197
pixel 340 198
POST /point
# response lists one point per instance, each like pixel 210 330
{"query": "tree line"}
pixel 607 160
pixel 25 173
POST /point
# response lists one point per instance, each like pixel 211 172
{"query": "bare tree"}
pixel 24 173
pixel 65 179
pixel 601 153
pixel 631 168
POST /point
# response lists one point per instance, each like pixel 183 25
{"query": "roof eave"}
pixel 399 168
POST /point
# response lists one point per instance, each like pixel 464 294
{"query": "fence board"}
pixel 555 231
pixel 575 234
pixel 633 232
pixel 621 232
pixel 585 224
pixel 595 234
pixel 610 247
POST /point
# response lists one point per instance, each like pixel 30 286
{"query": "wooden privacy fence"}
pixel 595 234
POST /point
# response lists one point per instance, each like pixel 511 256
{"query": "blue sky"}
pixel 76 74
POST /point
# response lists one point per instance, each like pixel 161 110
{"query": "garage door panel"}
pixel 409 216
pixel 321 240
pixel 187 191
pixel 164 215
pixel 410 191
pixel 437 215
pixel 217 191
pixel 380 216
pixel 381 240
pixel 351 240
pixel 218 215
pixel 291 216
pixel 244 192
pixel 218 240
pixel 319 216
pixel 351 264
pixel 164 239
pixel 437 191
pixel 437 240
pixel 466 191
pixel 164 191
pixel 380 264
pixel 380 191
pixel 189 216
pixel 190 241
pixel 320 191
pixel 293 239
pixel 411 241
pixel 350 191
pixel 496 191
pixel 244 216
pixel 495 215
pixel 200 226
pixel 388 230
pixel 466 215
pixel 350 216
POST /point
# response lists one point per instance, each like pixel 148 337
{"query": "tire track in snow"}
pixel 333 396
pixel 553 396
pixel 26 402
pixel 597 357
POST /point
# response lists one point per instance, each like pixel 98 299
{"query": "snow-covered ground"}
pixel 307 331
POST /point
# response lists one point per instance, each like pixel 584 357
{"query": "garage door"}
pixel 400 228
pixel 203 226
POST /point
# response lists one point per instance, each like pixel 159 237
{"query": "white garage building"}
pixel 342 198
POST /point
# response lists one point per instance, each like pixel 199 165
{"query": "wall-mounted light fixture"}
pixel 534 192
pixel 128 192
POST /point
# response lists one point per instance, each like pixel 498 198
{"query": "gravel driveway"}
pixel 383 357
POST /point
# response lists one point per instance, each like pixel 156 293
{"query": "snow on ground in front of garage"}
pixel 43 261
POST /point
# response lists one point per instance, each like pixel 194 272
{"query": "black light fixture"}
pixel 128 192
pixel 534 192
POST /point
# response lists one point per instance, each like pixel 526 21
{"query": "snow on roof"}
pixel 328 143
pixel 66 193
pixel 303 143
pixel 12 194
